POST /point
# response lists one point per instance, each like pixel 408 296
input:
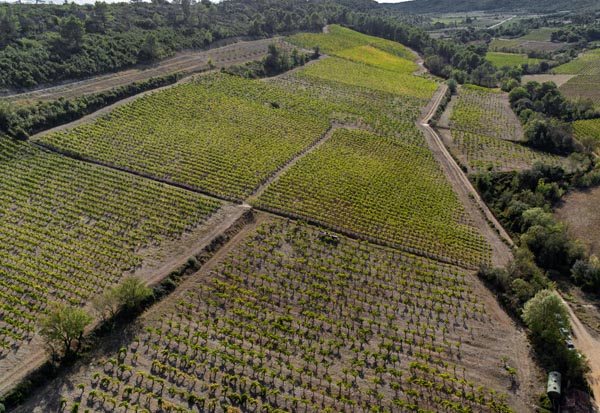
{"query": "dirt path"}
pixel 188 62
pixel 588 345
pixel 33 355
pixel 502 22
pixel 479 211
pixel 420 62
pixel 284 168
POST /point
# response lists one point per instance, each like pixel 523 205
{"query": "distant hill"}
pixel 450 6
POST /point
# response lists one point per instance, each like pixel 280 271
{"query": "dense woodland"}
pixel 448 6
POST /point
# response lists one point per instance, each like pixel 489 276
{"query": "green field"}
pixel 586 85
pixel 587 130
pixel 586 64
pixel 236 133
pixel 498 44
pixel 378 58
pixel 207 135
pixel 382 189
pixel 485 111
pixel 363 75
pixel 500 59
pixel 340 38
pixel 69 229
pixel 288 323
pixel 542 34
pixel 484 153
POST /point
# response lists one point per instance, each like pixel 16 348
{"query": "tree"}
pixel 544 312
pixel 452 85
pixel 63 326
pixel 132 292
pixel 72 30
pixel 150 49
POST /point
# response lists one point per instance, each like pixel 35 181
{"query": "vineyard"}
pixel 376 310
pixel 69 230
pixel 585 84
pixel 340 39
pixel 584 130
pixel 363 75
pixel 224 143
pixel 485 112
pixel 484 153
pixel 583 87
pixel 500 59
pixel 288 322
pixel 587 64
pixel 382 189
pixel 378 58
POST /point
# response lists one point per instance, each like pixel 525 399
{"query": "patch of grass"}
pixel 360 74
pixel 586 64
pixel 340 38
pixel 542 34
pixel 378 58
pixel 500 59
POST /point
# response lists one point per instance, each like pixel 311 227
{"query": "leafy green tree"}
pixel 132 292
pixel 543 312
pixel 62 327
pixel 71 30
pixel 151 49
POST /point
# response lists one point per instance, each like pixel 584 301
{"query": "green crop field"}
pixel 499 44
pixel 236 133
pixel 543 34
pixel 69 229
pixel 484 153
pixel 587 64
pixel 359 74
pixel 500 59
pixel 383 189
pixel 583 87
pixel 288 323
pixel 586 85
pixel 340 38
pixel 196 134
pixel 487 112
pixel 375 57
pixel 585 130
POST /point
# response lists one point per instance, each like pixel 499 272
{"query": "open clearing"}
pixel 559 80
pixel 184 62
pixel 580 212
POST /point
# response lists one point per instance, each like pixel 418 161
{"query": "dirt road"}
pixel 479 212
pixel 185 62
pixel 588 345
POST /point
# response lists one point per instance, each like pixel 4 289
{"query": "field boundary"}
pixel 291 162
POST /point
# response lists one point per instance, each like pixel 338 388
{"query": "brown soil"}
pixel 558 79
pixel 579 211
pixel 483 349
pixel 187 62
pixel 159 263
pixel 67 382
